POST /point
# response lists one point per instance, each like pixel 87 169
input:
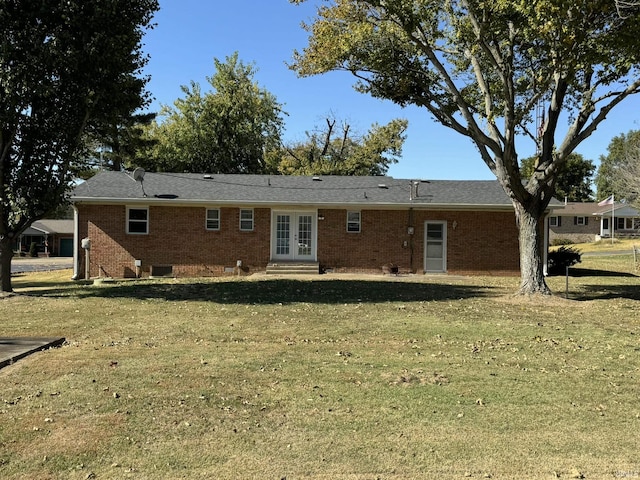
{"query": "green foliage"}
pixel 122 143
pixel 561 241
pixel 337 150
pixel 66 67
pixel 562 258
pixel 226 130
pixel 573 180
pixel 482 68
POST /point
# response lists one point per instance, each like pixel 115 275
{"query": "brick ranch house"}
pixel 206 225
pixel 588 221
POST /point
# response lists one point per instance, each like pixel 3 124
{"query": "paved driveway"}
pixel 13 349
pixel 40 264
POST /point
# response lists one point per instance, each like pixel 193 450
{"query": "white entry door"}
pixel 435 247
pixel 294 236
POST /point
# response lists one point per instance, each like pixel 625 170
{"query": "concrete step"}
pixel 293 268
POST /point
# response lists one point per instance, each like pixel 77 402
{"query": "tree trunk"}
pixel 6 254
pixel 532 280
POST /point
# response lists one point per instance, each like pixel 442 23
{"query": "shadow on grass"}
pixel 47 287
pixel 282 291
pixel 608 292
pixel 586 272
pixel 604 290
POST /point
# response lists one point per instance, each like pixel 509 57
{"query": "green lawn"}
pixel 336 377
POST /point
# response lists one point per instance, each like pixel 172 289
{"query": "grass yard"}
pixel 335 377
pixel 607 245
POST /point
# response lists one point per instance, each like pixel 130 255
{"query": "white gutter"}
pixel 288 204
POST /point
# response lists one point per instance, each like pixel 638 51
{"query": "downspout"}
pixel 76 235
pixel 411 225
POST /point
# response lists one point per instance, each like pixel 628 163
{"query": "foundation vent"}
pixel 161 270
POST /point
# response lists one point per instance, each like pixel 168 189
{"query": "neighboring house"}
pixel 624 218
pixel 199 225
pixel 51 238
pixel 588 221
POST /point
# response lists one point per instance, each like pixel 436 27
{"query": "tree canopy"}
pixel 574 177
pixel 336 149
pixel 619 171
pixel 66 67
pixel 123 144
pixel 226 130
pixel 482 68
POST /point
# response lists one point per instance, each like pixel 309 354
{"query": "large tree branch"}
pixel 582 128
pixel 327 137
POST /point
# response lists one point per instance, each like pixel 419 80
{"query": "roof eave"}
pixel 307 204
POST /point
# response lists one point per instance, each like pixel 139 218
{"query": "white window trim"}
pixel 358 222
pixel 581 221
pixel 624 223
pixel 206 220
pixel 628 224
pixel 146 222
pixel 553 221
pixel 246 220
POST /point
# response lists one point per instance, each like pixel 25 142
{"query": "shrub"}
pixel 561 241
pixel 562 258
pixel 33 249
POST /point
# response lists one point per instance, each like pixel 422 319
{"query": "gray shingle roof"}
pixel 591 208
pixel 183 188
pixel 50 226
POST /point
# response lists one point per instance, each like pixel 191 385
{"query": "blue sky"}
pixel 191 33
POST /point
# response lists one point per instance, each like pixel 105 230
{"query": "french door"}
pixel 294 236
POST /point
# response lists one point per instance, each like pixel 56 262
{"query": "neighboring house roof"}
pixel 50 227
pixel 621 210
pixel 583 209
pixel 273 190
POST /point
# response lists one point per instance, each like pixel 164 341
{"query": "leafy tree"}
pixel 618 171
pixel 481 68
pixel 337 150
pixel 65 67
pixel 574 177
pixel 125 141
pixel 227 130
pixel 627 179
pixel 121 144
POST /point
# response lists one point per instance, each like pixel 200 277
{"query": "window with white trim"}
pixel 625 223
pixel 580 221
pixel 246 219
pixel 353 222
pixel 553 221
pixel 213 219
pixel 138 220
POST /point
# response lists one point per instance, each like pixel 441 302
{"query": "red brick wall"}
pixel 177 237
pixel 481 243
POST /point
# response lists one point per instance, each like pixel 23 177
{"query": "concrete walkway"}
pixel 13 349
